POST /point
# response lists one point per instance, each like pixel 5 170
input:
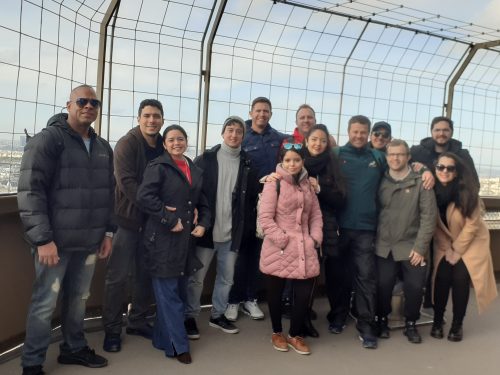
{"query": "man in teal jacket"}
pixel 363 169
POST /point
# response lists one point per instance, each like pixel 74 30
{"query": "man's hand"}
pixel 416 259
pixel 105 248
pixel 273 177
pixel 195 220
pixel 47 254
pixel 428 180
pixel 198 231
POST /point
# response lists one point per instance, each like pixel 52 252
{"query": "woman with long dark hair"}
pixel 323 168
pixel 461 246
pixel 170 193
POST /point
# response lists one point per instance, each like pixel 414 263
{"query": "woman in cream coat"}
pixel 461 246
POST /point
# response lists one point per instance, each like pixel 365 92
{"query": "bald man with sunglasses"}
pixel 65 200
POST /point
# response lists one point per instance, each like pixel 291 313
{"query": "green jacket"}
pixel 363 169
pixel 407 219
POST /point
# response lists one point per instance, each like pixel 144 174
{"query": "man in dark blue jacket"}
pixel 65 202
pixel 261 144
pixel 363 169
pixel 231 189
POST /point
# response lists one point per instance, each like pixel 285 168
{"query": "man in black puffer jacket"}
pixel 65 200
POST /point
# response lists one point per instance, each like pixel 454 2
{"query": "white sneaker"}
pixel 231 313
pixel 252 309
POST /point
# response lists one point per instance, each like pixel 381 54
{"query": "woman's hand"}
pixel 178 227
pixel 198 231
pixel 416 259
pixel 452 257
pixel 314 184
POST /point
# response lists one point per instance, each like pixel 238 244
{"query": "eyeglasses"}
pixel 449 168
pixel 82 102
pixel 381 134
pixel 289 146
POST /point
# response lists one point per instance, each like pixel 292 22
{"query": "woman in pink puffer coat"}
pixel 290 217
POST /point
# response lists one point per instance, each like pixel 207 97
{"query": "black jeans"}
pixel 301 296
pixel 458 279
pixel 413 286
pixel 127 252
pixel 357 272
pixel 246 273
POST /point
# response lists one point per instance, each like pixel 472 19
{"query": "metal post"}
pixel 101 58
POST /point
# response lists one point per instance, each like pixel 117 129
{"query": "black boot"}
pixel 383 330
pixel 412 333
pixel 456 333
pixel 308 328
pixel 437 330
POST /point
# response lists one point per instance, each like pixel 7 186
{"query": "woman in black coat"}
pixel 170 194
pixel 324 172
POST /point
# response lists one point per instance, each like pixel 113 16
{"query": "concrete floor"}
pixel 250 352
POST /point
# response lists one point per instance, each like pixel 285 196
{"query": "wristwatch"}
pixel 109 234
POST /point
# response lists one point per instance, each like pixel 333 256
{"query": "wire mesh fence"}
pixel 206 60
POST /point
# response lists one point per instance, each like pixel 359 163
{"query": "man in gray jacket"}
pixel 65 201
pixel 406 224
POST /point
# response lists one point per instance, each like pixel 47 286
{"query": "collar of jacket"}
pixel 409 180
pixel 454 145
pixel 60 120
pixel 361 150
pixel 136 133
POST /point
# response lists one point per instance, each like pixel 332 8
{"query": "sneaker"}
pixel 411 332
pixel 336 328
pixel 384 331
pixel 368 341
pixel 231 313
pixel 298 344
pixel 223 324
pixel 84 357
pixel 34 370
pixel 279 342
pixel 252 309
pixel 191 329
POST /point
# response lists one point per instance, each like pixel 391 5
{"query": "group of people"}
pixel 367 211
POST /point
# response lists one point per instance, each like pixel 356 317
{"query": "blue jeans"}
pixel 72 275
pixel 226 260
pixel 169 333
pixel 127 251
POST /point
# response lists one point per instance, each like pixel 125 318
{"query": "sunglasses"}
pixel 381 134
pixel 289 146
pixel 449 168
pixel 82 102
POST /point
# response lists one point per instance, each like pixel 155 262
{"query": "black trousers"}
pixel 356 271
pixel 457 279
pixel 302 293
pixel 413 286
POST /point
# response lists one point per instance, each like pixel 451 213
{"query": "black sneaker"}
pixel 84 357
pixel 33 370
pixel 368 341
pixel 412 333
pixel 191 329
pixel 223 324
pixel 336 327
pixel 112 342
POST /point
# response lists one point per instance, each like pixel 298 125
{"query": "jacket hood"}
pixel 454 145
pixel 287 176
pixel 61 120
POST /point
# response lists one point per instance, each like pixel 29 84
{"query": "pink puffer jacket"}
pixel 291 224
